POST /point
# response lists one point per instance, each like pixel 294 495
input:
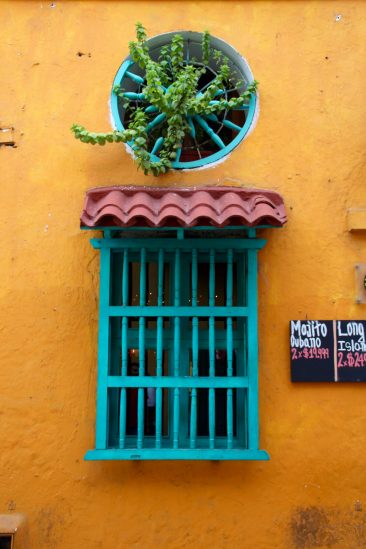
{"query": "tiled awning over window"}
pixel 184 207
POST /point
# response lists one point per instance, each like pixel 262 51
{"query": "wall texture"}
pixel 58 60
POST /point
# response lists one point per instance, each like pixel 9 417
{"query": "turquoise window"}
pixel 178 350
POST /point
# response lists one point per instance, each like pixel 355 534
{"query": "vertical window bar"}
pixel 252 365
pixel 229 348
pixel 176 348
pixel 159 350
pixel 103 350
pixel 211 336
pixel 124 353
pixel 193 424
pixel 141 391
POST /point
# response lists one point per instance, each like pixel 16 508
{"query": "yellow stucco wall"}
pixel 309 145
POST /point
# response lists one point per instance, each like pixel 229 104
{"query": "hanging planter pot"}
pixel 180 100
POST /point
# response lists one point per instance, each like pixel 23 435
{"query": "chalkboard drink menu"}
pixel 312 350
pixel 351 350
pixel 328 350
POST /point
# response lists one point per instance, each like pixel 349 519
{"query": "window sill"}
pixel 180 454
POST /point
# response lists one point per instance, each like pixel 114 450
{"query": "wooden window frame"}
pixel 184 250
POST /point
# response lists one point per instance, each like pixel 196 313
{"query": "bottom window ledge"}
pixel 179 454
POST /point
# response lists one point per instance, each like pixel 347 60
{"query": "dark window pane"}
pixel 202 284
pixel 115 324
pixel 5 542
pixel 220 396
pixel 116 278
pixel 149 395
pixel 134 284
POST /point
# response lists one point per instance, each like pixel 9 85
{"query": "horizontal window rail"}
pixel 175 311
pixel 168 341
pixel 167 336
pixel 171 244
pixel 178 382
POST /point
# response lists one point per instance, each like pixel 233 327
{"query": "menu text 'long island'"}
pixel 328 350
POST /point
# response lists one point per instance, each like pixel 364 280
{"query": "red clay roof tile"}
pixel 181 207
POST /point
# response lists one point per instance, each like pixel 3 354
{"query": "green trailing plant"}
pixel 171 87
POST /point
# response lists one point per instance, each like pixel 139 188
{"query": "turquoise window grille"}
pixel 178 350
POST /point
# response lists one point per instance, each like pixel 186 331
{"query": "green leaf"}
pixel 140 141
